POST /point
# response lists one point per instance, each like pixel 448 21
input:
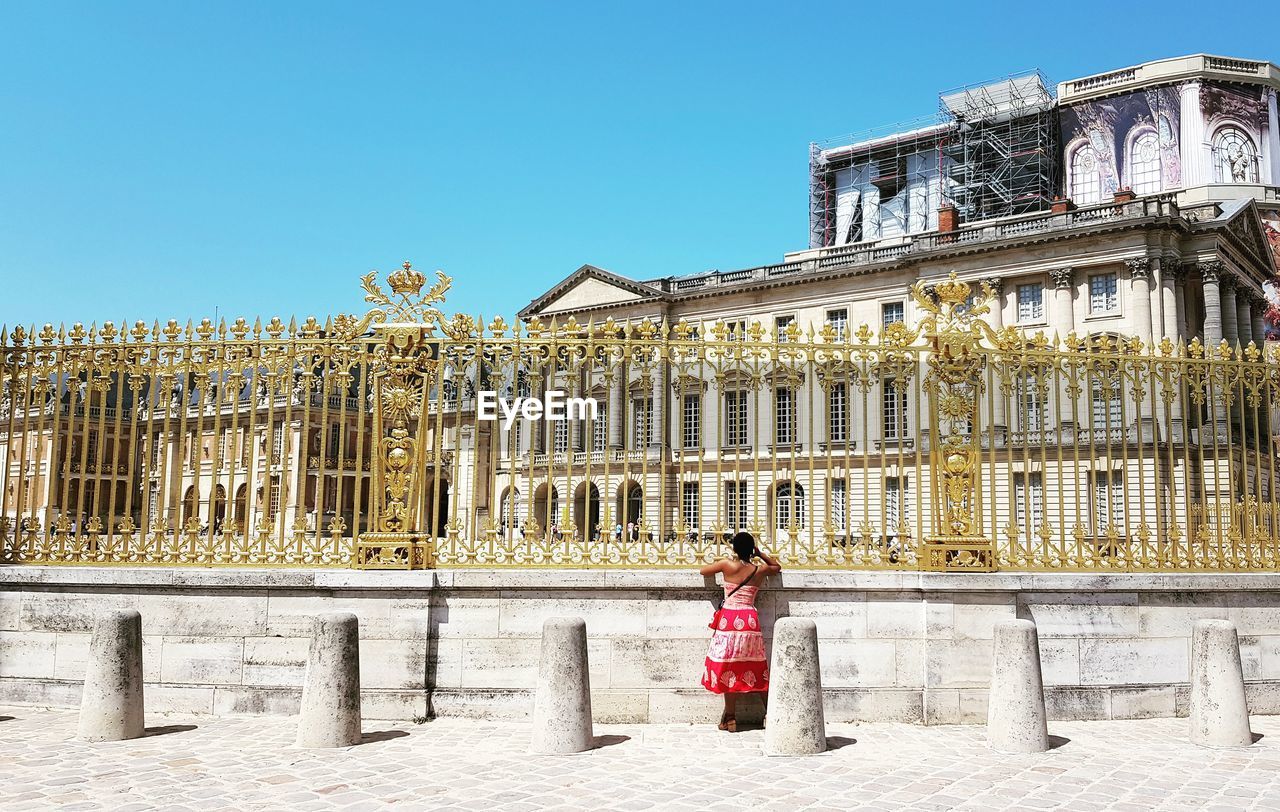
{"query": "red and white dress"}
pixel 736 660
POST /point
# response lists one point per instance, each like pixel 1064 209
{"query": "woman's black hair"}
pixel 744 545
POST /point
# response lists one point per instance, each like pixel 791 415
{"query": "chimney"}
pixel 1124 195
pixel 948 218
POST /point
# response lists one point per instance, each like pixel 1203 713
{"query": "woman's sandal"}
pixel 728 723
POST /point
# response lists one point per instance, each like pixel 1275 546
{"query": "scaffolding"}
pixel 991 151
pixel 879 184
pixel 1003 158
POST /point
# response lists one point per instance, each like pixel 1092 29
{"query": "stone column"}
pixel 1173 294
pixel 997 323
pixel 1258 323
pixel 1189 329
pixel 1064 319
pixel 1171 304
pixel 1230 327
pixel 1140 286
pixel 1210 274
pixel 659 392
pixel 579 440
pixel 617 407
pixel 1273 136
pixel 1244 315
pixel 1194 150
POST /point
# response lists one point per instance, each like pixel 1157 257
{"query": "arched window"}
pixel 1235 158
pixel 788 505
pixel 1143 162
pixel 1084 182
pixel 509 509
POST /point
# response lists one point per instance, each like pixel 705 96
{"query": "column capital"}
pixel 1139 267
pixel 1062 277
pixel 1211 271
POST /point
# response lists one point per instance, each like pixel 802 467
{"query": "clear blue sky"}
pixel 161 159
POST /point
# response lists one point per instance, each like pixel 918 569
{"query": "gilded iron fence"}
pixel 367 442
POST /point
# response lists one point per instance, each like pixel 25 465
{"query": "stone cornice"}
pixel 937 254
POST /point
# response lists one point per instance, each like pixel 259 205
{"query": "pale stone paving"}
pixel 208 763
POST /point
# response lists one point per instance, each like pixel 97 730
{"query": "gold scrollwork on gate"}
pixel 405 369
pixel 954 384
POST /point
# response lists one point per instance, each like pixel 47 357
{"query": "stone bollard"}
pixel 111 705
pixel 330 715
pixel 1219 713
pixel 1015 706
pixel 562 703
pixel 797 726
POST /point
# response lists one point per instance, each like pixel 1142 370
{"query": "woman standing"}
pixel 736 661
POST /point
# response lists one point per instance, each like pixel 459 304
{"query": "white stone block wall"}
pixel 911 647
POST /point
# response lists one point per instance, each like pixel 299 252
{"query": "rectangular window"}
pixel 1028 497
pixel 892 313
pixel 780 324
pixel 277 442
pixel 561 436
pixel 839 320
pixel 838 412
pixel 600 428
pixel 735 419
pixel 1031 302
pixel 737 330
pixel 1103 296
pixel 897 507
pixel 784 415
pixel 839 500
pixel 1108 501
pixel 1030 405
pixel 1106 405
pixel 335 437
pixel 692 421
pixel 735 493
pixel 642 425
pixel 273 502
pixel 91 447
pixel 894 410
pixel 689 504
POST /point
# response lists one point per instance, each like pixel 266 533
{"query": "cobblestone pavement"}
pixel 200 763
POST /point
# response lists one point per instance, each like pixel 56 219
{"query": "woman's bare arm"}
pixel 771 565
pixel 713 567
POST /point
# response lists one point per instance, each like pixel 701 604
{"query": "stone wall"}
pixel 913 647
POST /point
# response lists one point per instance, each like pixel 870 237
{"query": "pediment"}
pixel 1245 229
pixel 588 287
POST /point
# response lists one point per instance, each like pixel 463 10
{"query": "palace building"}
pixel 1142 202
